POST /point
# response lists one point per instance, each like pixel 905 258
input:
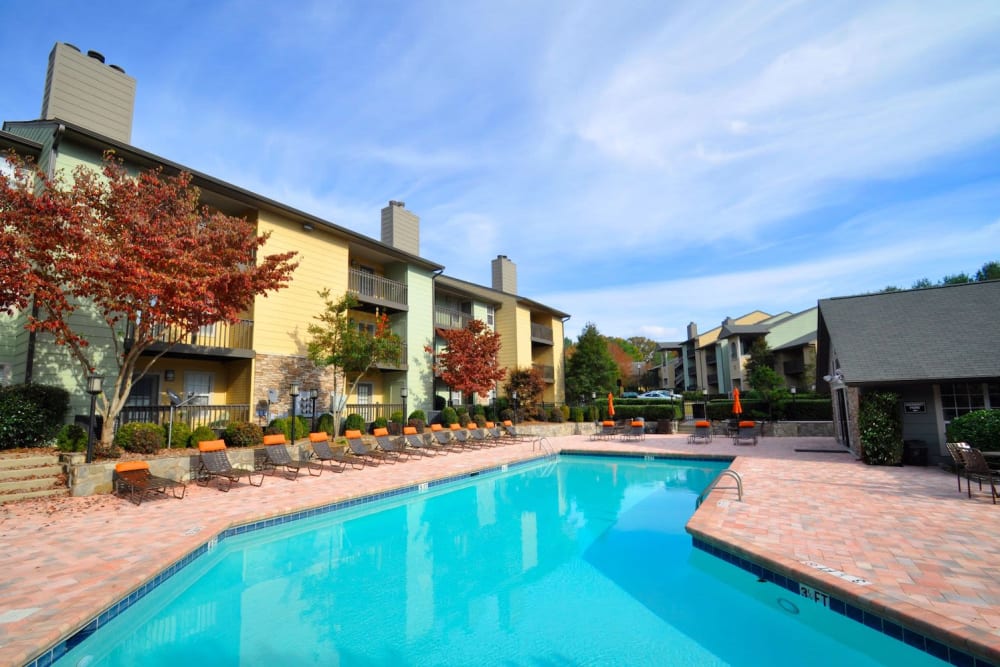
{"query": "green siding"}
pixel 419 332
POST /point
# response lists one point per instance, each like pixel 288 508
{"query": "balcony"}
pixel 216 341
pixel 374 290
pixel 548 373
pixel 214 416
pixel 448 318
pixel 541 334
pixel 397 362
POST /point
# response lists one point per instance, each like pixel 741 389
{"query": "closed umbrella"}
pixel 611 404
pixel 737 408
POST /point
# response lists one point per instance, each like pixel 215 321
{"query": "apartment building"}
pixel 243 371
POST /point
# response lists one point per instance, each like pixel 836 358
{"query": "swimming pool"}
pixel 583 562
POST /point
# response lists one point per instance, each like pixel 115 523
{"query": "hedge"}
pixel 31 414
pixel 979 428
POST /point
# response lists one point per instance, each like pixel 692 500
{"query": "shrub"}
pixel 565 412
pixel 354 422
pixel 881 428
pixel 449 416
pixel 506 415
pixel 140 437
pixel 242 434
pixel 419 414
pixel 180 435
pixel 325 423
pixel 979 428
pixel 200 434
pixel 72 438
pixel 576 414
pixel 31 414
pixel 380 422
pixel 396 417
pixel 283 425
pixel 556 416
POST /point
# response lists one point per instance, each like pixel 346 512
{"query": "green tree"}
pixel 350 350
pixel 591 369
pixel 990 271
pixel 956 279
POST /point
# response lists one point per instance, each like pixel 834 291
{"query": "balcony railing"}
pixel 548 372
pixel 541 333
pixel 209 339
pixel 372 411
pixel 371 288
pixel 213 416
pixel 397 361
pixel 448 318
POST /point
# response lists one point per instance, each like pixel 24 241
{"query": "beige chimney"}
pixel 401 228
pixel 504 275
pixel 81 89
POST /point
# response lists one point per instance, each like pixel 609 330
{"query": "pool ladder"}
pixel 714 484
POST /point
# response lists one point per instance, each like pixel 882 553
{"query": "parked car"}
pixel 660 393
pixel 630 394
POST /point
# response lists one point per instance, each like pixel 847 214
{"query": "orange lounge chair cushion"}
pixel 471 425
pixel 211 445
pixel 381 431
pixel 127 466
pixel 747 424
pixel 702 424
pixel 638 423
pixel 436 427
pixel 507 422
pixel 490 424
pixel 409 430
pixel 455 427
pixel 352 434
pixel 318 437
pixel 607 423
pixel 275 439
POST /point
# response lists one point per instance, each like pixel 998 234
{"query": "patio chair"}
pixel 366 452
pixel 326 454
pixel 702 432
pixel 746 433
pixel 392 447
pixel 635 431
pixel 278 458
pixel 477 436
pixel 957 451
pixel 215 464
pixel 493 431
pixel 977 468
pixel 512 433
pixel 417 443
pixel 134 478
pixel 438 437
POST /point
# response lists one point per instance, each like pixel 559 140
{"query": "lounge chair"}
pixel 635 431
pixel 977 468
pixel 746 433
pixel 441 438
pixel 702 432
pixel 279 458
pixel 392 447
pixel 493 431
pixel 134 478
pixel 477 436
pixel 366 452
pixel 512 433
pixel 957 451
pixel 325 454
pixel 460 435
pixel 215 464
pixel 417 443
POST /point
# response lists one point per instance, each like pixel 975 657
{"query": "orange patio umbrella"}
pixel 737 408
pixel 611 404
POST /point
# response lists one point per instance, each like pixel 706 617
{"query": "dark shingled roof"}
pixel 941 333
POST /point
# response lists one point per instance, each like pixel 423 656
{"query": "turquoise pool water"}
pixel 581 563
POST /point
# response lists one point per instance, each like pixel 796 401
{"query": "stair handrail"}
pixel 715 484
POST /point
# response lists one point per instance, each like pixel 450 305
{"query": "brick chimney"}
pixel 401 228
pixel 504 275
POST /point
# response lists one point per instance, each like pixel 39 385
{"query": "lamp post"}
pixel 593 403
pixel 514 396
pixel 794 412
pixel 94 383
pixel 403 393
pixel 293 391
pixel 704 393
pixel 313 395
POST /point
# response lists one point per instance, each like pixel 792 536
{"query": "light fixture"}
pixel 169 375
pixel 94 385
pixel 307 227
pixel 293 391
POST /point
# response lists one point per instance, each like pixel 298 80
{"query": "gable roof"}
pixel 942 333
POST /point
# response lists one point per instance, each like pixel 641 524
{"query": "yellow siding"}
pixel 281 318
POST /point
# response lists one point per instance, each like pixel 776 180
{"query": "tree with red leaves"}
pixel 469 363
pixel 136 255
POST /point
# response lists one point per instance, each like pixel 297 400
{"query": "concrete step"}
pixel 51 470
pixel 15 462
pixel 20 485
pixel 41 493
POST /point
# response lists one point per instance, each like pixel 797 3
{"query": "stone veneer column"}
pixel 278 371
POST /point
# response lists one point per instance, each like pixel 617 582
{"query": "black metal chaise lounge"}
pixel 133 478
pixel 477 435
pixel 358 447
pixel 215 464
pixel 746 433
pixel 279 458
pixel 977 468
pixel 326 454
pixel 441 439
pixel 393 448
pixel 415 442
pixel 702 432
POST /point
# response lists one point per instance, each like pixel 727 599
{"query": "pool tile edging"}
pixel 61 647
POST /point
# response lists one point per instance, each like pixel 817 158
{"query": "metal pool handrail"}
pixel 714 484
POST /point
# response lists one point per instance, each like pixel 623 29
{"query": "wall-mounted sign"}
pixel 914 408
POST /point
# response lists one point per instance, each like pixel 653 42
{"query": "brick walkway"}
pixel 932 555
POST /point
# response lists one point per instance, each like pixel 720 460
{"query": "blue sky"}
pixel 645 164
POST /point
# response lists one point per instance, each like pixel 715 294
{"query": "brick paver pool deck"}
pixel 931 555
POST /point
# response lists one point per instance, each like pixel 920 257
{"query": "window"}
pixel 366 391
pixel 490 317
pixel 958 398
pixel 198 382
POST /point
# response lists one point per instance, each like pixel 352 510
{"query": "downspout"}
pixel 434 277
pixel 564 321
pixel 50 168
